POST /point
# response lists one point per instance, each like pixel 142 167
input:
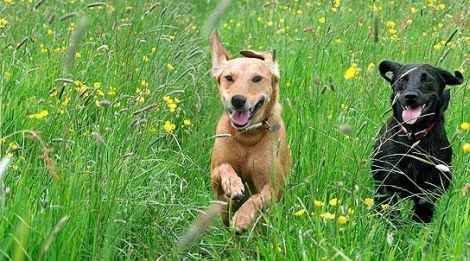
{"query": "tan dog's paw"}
pixel 233 187
pixel 244 218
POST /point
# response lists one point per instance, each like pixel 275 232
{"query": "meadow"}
pixel 108 113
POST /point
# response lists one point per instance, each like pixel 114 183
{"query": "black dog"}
pixel 412 154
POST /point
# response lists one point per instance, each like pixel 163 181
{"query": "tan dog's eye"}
pixel 257 78
pixel 228 78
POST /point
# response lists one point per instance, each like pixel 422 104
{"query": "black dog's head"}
pixel 418 90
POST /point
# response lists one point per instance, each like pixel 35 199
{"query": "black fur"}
pixel 395 167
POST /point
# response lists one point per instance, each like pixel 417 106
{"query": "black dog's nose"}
pixel 238 101
pixel 411 96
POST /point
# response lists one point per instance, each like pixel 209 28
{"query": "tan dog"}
pixel 250 158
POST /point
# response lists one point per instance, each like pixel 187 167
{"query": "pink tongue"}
pixel 411 115
pixel 240 117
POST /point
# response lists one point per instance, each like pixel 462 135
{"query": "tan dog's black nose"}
pixel 238 101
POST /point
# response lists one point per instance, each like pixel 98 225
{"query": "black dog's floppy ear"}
pixel 388 66
pixel 444 100
pixel 449 78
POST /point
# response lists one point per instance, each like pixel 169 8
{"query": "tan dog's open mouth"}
pixel 241 118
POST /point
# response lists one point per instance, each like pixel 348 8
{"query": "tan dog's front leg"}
pixel 226 179
pixel 246 215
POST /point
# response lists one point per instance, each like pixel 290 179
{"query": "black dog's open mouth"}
pixel 241 119
pixel 411 114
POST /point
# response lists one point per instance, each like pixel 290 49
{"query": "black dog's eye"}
pixel 402 79
pixel 257 78
pixel 228 78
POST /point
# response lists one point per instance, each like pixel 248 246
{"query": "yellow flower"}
pixel 441 6
pixel 327 215
pixel 40 115
pixel 168 126
pixel 78 55
pixel 7 75
pixel 299 12
pixel 299 213
pixel 97 85
pixel 350 211
pixel 117 104
pixel 465 126
pixel 466 147
pixel 390 24
pixel 334 201
pixel 8 2
pixel 145 59
pixel 270 23
pixel 322 20
pixel 336 3
pixel 111 90
pixel 154 50
pixel 170 67
pixel 3 22
pixel 50 32
pixel 139 99
pixel 100 92
pixel 13 145
pixel 369 202
pixel 370 67
pixel 342 220
pixel 10 155
pixel 318 203
pixel 437 46
pixel 15 167
pixel 351 72
pixel 413 10
pixel 187 122
pixel 385 206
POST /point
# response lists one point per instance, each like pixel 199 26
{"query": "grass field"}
pixel 108 108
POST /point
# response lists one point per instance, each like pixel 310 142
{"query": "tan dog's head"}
pixel 248 86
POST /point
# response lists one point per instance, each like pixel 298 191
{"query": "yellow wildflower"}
pixel 336 3
pixel 369 202
pixel 145 58
pixel 318 203
pixel 322 20
pixel 50 32
pixel 15 167
pixel 270 23
pixel 13 145
pixel 100 92
pixel 78 55
pixel 40 115
pixel 342 220
pixel 111 90
pixel 334 201
pixel 437 46
pixel 413 10
pixel 465 126
pixel 7 75
pixel 370 67
pixel 3 22
pixel 139 99
pixel 350 211
pixel 466 147
pixel 154 50
pixel 10 155
pixel 187 122
pixel 441 6
pixel 385 206
pixel 97 85
pixel 299 12
pixel 299 213
pixel 390 24
pixel 8 2
pixel 168 126
pixel 170 67
pixel 117 104
pixel 327 215
pixel 351 72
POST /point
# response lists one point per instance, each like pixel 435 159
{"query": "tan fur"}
pixel 249 165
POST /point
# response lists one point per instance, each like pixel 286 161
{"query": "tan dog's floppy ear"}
pixel 267 57
pixel 219 55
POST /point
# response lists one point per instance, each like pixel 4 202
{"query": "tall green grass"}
pixel 129 189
